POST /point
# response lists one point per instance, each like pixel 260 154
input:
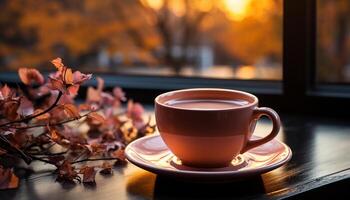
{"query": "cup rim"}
pixel 253 103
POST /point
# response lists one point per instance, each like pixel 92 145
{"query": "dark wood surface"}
pixel 320 166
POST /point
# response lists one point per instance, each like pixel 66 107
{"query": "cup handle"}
pixel 276 122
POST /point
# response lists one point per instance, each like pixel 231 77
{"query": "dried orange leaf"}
pixel 58 63
pixel 71 110
pixel 96 148
pixel 89 174
pixel 10 109
pixel 121 158
pixel 135 111
pixel 55 136
pixel 73 89
pixel 106 168
pixel 25 107
pixel 56 84
pixel 8 180
pixel 66 172
pixel 28 76
pixel 100 84
pixel 79 77
pixel 118 93
pixel 5 92
pixel 93 95
pixel 84 107
pixel 68 76
pixel 94 116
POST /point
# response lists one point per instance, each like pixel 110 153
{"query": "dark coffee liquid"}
pixel 207 104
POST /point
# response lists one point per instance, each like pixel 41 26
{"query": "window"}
pixel 333 41
pixel 293 54
pixel 225 39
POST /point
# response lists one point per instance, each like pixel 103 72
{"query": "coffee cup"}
pixel 209 127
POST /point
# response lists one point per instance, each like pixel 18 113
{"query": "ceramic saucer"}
pixel 151 153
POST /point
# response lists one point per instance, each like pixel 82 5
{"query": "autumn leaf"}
pixel 84 107
pixel 71 110
pixel 106 168
pixel 56 137
pixel 5 92
pixel 19 138
pixel 104 134
pixel 95 148
pixel 128 133
pixel 26 107
pixel 119 94
pixel 42 139
pixel 135 111
pixel 42 117
pixel 89 174
pixel 73 89
pixel 10 109
pixel 56 84
pixel 96 118
pixel 65 80
pixel 107 99
pixel 8 180
pixel 108 136
pixel 120 154
pixel 121 158
pixel 58 64
pixel 68 76
pixel 144 128
pixel 79 78
pixel 66 172
pixel 100 84
pixel 93 95
pixel 28 75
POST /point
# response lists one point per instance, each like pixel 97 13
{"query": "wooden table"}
pixel 320 166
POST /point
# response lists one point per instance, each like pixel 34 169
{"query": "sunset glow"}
pixel 206 38
pixel 155 4
pixel 236 9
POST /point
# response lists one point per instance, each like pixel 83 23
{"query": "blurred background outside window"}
pixel 227 39
pixel 333 41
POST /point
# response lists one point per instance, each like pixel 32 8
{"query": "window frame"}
pixel 300 88
pixel 297 92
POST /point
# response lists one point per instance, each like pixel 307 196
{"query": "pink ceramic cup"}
pixel 211 138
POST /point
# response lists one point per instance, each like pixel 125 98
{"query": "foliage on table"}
pixel 40 121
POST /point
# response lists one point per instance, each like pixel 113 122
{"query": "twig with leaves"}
pixel 49 131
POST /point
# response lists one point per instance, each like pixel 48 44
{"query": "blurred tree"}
pixel 148 32
pixel 333 40
pixel 38 30
pixel 178 24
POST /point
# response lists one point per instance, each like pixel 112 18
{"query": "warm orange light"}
pixel 204 5
pixel 246 72
pixel 155 4
pixel 178 6
pixel 236 9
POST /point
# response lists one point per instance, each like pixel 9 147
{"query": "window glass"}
pixel 227 39
pixel 333 41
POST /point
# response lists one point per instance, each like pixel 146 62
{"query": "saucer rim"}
pixel 171 172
